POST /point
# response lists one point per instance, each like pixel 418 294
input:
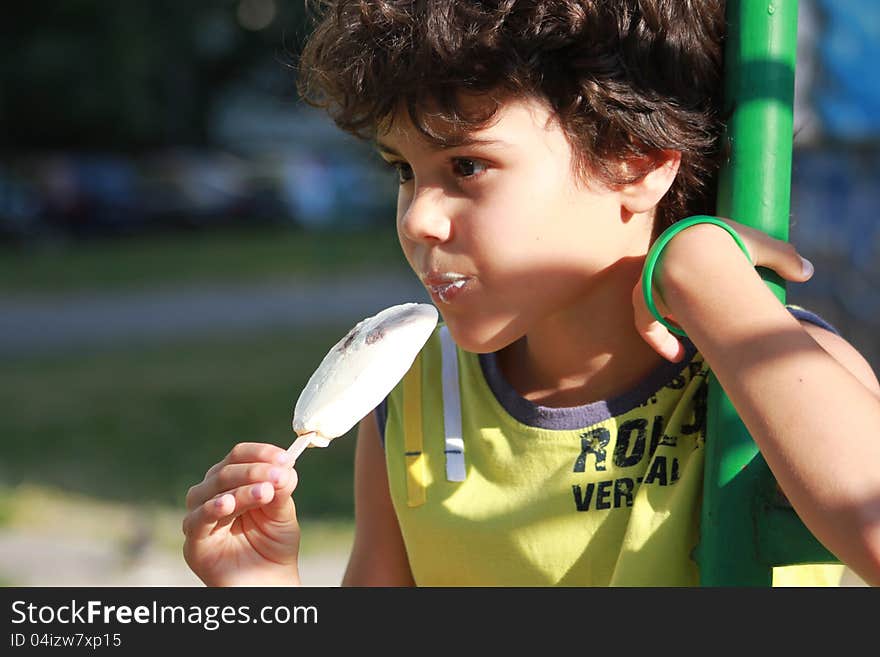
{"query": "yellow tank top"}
pixel 492 490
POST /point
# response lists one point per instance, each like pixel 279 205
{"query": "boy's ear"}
pixel 645 193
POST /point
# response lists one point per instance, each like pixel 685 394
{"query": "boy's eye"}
pixel 404 171
pixel 466 168
pixel 462 167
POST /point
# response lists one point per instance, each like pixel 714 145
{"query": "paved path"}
pixel 51 537
pixel 35 559
pixel 45 323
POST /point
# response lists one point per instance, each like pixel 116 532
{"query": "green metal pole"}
pixel 754 189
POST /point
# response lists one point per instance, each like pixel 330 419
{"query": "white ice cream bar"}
pixel 359 372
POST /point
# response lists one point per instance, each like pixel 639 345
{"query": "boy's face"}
pixel 502 233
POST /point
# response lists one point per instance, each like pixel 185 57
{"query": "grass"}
pixel 210 256
pixel 141 425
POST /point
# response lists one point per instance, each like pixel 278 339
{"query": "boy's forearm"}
pixel 815 423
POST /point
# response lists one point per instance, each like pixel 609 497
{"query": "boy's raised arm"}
pixel 808 398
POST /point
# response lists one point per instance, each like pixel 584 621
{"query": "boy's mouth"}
pixel 445 286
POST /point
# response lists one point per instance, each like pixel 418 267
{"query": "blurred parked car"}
pixel 21 215
pixel 189 189
pixel 86 195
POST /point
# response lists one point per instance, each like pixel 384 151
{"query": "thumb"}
pixel 663 342
pixel 282 508
pixel 783 258
pixel 658 337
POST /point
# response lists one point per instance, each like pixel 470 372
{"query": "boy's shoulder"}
pixel 810 318
pixel 830 339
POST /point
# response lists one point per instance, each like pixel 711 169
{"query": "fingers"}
pixel 280 507
pixel 250 476
pixel 783 258
pixel 201 521
pixel 653 332
pixel 245 463
pixel 252 453
pixel 779 255
pixel 222 509
pixel 230 477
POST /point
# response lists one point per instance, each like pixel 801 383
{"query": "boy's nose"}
pixel 426 218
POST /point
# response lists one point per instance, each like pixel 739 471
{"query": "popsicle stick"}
pixel 299 446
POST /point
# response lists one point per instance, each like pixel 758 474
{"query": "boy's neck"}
pixel 589 352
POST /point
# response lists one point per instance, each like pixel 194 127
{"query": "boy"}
pixel 551 431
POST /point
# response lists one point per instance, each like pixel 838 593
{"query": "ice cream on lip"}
pixel 445 284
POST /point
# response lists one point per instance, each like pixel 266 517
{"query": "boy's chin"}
pixel 476 337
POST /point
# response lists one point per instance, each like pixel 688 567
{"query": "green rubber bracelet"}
pixel 657 248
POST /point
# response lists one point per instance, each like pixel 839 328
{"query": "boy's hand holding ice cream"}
pixel 241 526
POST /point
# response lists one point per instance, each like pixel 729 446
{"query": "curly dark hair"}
pixel 626 79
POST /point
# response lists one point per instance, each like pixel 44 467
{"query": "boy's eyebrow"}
pixel 385 148
pixel 471 141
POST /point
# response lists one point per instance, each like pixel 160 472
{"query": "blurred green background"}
pixel 140 420
pixel 121 428
pixel 182 240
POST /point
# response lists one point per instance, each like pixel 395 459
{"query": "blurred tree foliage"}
pixel 130 75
